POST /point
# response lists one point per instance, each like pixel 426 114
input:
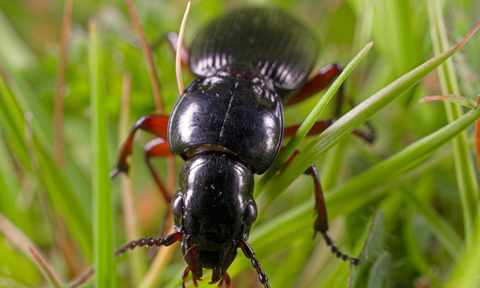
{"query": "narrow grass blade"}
pixel 13 50
pixel 11 117
pixel 466 177
pixel 147 53
pixel 310 120
pixel 445 233
pixel 82 278
pixel 17 266
pixel 414 250
pixel 8 184
pixel 465 272
pixel 136 260
pixel 64 200
pixel 15 235
pixel 352 120
pixel 398 163
pixel 457 99
pixel 60 85
pixel 5 282
pixel 103 211
pixel 46 269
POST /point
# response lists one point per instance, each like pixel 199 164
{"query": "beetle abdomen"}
pixel 273 43
pixel 236 114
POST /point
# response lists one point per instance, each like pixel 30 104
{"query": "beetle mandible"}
pixel 227 126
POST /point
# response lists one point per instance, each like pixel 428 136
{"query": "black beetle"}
pixel 227 125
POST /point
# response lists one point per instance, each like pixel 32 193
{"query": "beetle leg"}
pixel 155 124
pixel 158 147
pixel 321 223
pixel 320 126
pixel 322 80
pixel 226 276
pixel 185 276
pixel 166 241
pixel 220 284
pixel 195 278
pixel 250 254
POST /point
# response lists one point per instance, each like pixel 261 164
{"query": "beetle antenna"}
pixel 178 56
pixel 167 241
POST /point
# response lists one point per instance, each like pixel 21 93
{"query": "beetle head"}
pixel 214 209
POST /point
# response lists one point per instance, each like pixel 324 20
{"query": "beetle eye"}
pixel 177 206
pixel 251 213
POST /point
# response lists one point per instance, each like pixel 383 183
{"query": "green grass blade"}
pixel 135 260
pixel 64 200
pixel 415 253
pixel 102 202
pixel 457 99
pixel 13 50
pixel 5 282
pixel 11 118
pixel 16 263
pixel 464 273
pixel 398 163
pixel 467 180
pixel 8 184
pixel 45 268
pixel 310 120
pixel 352 120
pixel 445 233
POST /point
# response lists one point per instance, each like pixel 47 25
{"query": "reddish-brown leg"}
pixel 166 241
pixel 250 254
pixel 195 279
pixel 226 276
pixel 155 124
pixel 322 80
pixel 321 223
pixel 185 276
pixel 158 147
pixel 320 126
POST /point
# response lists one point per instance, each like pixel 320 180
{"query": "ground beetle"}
pixel 227 125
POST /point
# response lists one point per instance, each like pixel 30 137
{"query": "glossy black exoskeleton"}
pixel 227 126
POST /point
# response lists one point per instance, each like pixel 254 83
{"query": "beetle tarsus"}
pixel 354 261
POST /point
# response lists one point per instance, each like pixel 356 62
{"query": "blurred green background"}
pixel 51 205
